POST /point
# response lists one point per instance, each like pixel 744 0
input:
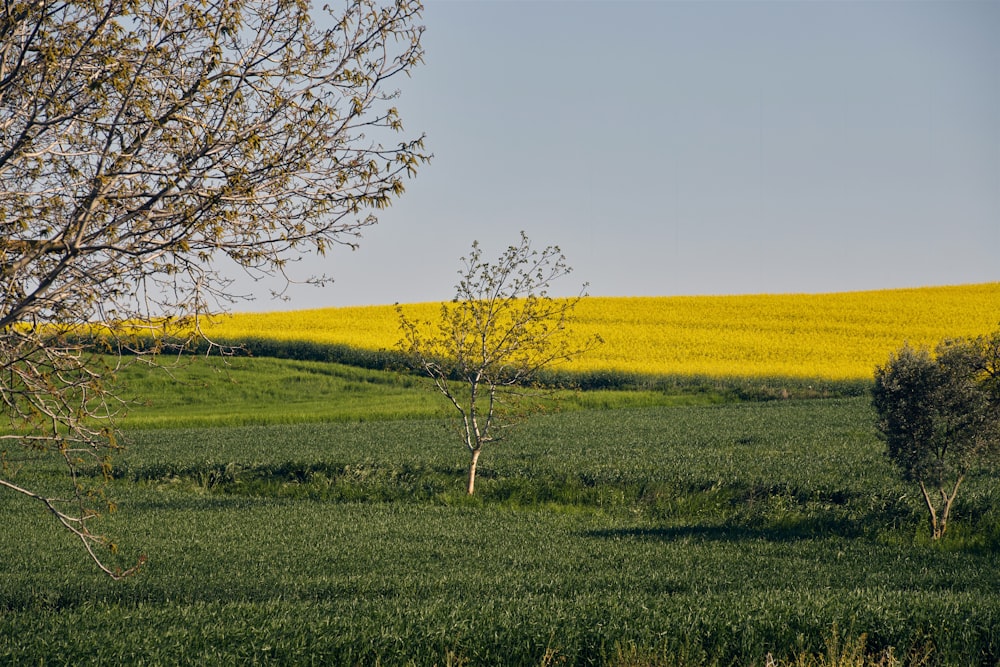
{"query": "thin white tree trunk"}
pixel 472 471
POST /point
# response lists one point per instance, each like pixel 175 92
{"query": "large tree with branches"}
pixel 145 147
pixel 486 351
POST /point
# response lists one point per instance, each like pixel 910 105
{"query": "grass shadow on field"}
pixel 296 480
pixel 786 530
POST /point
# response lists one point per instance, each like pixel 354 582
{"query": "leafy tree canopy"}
pixel 940 416
pixel 144 141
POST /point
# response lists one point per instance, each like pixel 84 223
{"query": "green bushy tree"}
pixel 939 415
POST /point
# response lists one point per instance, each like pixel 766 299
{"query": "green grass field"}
pixel 298 513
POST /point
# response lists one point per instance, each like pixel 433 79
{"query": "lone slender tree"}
pixel 940 416
pixel 144 144
pixel 485 351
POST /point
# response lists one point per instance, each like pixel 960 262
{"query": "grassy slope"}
pixel 715 532
pixel 202 391
pixel 209 391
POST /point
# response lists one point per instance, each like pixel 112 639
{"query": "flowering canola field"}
pixel 838 336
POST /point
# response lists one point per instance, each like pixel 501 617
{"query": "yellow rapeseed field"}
pixel 831 336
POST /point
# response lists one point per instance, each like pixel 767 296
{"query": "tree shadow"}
pixel 787 530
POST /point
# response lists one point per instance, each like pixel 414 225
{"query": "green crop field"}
pixel 307 513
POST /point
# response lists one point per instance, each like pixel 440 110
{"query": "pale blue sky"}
pixel 685 148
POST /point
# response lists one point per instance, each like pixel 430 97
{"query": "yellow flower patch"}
pixel 832 336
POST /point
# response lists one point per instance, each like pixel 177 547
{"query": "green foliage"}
pixel 932 412
pixel 939 416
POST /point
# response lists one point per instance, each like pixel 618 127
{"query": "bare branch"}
pixel 141 143
pixel 490 343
